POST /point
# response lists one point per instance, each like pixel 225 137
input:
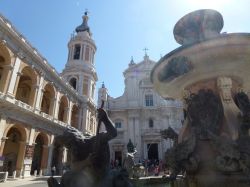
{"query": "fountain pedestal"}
pixel 210 73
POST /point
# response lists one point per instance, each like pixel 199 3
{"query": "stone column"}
pixel 32 136
pixel 7 71
pixel 20 157
pixel 33 96
pixel 137 141
pixel 39 98
pixel 84 117
pixel 60 157
pixel 52 106
pixel 80 84
pixel 56 105
pixel 49 160
pixel 81 53
pixel 3 122
pixel 89 88
pixel 131 125
pixel 66 114
pixel 70 113
pixel 39 102
pixel 19 74
pixel 80 111
pixel 44 161
pixel 14 78
pixel 3 140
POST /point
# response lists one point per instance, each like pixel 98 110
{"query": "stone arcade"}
pixel 37 102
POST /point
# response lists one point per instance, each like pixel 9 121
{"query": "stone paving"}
pixel 27 182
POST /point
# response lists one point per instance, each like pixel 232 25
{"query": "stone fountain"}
pixel 210 73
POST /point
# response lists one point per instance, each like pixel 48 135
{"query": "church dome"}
pixel 84 26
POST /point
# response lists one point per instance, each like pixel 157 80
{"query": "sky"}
pixel 120 28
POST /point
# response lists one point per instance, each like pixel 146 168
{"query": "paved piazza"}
pixel 27 182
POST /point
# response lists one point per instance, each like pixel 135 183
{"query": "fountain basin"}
pixel 226 55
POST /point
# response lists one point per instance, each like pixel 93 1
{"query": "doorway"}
pixel 118 158
pixel 153 151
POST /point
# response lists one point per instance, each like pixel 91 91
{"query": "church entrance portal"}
pixel 153 151
pixel 118 158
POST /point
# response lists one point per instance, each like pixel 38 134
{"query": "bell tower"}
pixel 79 70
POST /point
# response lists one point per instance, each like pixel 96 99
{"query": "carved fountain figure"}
pixel 210 73
pixel 90 158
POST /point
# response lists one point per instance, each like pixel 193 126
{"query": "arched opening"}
pixel 13 150
pixel 48 99
pixel 63 109
pixel 37 155
pixel 77 51
pixel 73 82
pixel 2 64
pixel 74 116
pixel 5 64
pixel 151 123
pixel 26 86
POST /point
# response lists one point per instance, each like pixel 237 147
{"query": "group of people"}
pixel 153 166
pixel 115 164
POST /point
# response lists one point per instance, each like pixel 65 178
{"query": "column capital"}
pixel 4 139
pixel 19 74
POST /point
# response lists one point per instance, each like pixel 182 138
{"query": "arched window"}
pixel 77 51
pixel 72 82
pixel 151 123
pixel 118 124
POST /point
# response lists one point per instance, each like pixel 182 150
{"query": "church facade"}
pixel 140 114
pixel 37 103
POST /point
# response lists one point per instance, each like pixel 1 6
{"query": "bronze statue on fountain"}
pixel 90 158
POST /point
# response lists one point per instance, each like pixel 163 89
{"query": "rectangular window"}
pixel 118 125
pixel 77 51
pixel 149 100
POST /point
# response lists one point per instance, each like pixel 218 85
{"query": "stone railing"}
pixel 29 108
pixel 47 116
pixel 62 123
pixel 23 105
